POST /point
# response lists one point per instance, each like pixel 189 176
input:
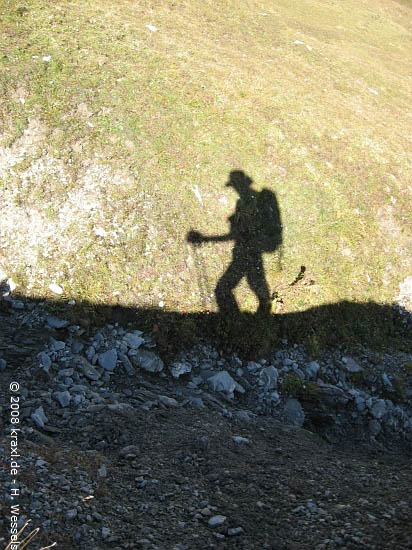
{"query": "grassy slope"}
pixel 133 119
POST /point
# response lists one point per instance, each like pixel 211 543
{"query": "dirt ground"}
pixel 278 488
pixel 286 489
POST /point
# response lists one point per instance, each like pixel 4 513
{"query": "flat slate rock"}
pixel 294 413
pixel 108 360
pixel 147 360
pixel 55 322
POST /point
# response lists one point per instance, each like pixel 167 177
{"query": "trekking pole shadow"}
pixel 201 276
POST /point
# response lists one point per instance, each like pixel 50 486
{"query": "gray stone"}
pixel 17 304
pixel 241 440
pixel 62 397
pixel 130 451
pixel 378 409
pixel 3 364
pixel 374 427
pixel 90 352
pixel 178 368
pixel 89 371
pixel 78 388
pixel 55 322
pixel 78 400
pixel 273 397
pixel 134 339
pixel 195 381
pixel 126 363
pixel 57 345
pixel 235 531
pixel 168 401
pixel 95 408
pixel 312 370
pixel 268 378
pixel 39 418
pixel 294 412
pixel 331 395
pixel 121 407
pixel 102 471
pixel 98 340
pixel 204 375
pixel 243 416
pixel 311 506
pixel 108 360
pixel 197 402
pixel 351 365
pixel 222 381
pixel 71 514
pixel 360 403
pixel 299 373
pixel 386 381
pixel 77 347
pixel 391 407
pixel 216 521
pixel 253 367
pixel 36 505
pixel 45 360
pixel 147 360
pixel 65 372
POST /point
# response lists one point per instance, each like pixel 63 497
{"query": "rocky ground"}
pixel 120 450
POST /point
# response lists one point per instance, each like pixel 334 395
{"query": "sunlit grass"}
pixel 311 99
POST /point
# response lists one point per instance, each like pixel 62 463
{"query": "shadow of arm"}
pixel 195 237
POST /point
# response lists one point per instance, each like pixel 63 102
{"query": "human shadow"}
pixel 255 228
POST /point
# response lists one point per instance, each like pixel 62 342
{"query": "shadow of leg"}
pixel 257 282
pixel 224 296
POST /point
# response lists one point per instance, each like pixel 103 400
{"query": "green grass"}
pixel 296 387
pixel 131 120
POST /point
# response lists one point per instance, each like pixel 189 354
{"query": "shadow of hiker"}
pixel 255 227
